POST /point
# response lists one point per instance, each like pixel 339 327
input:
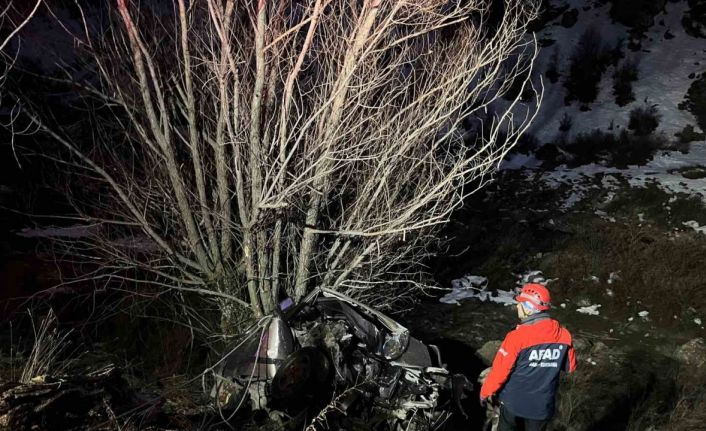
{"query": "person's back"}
pixel 525 372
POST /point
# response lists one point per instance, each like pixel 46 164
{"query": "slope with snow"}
pixel 664 171
pixel 665 66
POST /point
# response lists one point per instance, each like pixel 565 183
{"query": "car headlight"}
pixel 395 345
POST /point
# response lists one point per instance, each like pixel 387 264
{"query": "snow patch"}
pixel 517 161
pixel 613 277
pixel 593 279
pixel 695 225
pixel 137 243
pixel 77 231
pixel 662 171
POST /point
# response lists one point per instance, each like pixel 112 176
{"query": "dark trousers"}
pixel 510 422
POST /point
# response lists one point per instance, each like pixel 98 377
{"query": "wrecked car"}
pixel 331 362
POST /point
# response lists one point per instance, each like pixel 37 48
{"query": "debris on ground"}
pixel 102 399
pixel 473 286
pixel 591 310
pixel 79 401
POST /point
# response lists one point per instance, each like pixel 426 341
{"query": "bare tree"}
pixel 257 149
pixel 12 26
pixel 12 21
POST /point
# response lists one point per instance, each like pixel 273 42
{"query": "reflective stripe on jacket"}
pixel 525 371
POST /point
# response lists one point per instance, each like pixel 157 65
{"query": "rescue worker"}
pixel 525 372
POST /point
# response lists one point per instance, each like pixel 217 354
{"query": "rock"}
pixel 581 344
pixel 691 359
pixel 692 354
pixel 599 347
pixel 488 351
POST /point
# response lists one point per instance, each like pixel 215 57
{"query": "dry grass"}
pixel 632 387
pixel 661 270
pixel 629 388
pixel 689 413
pixel 49 346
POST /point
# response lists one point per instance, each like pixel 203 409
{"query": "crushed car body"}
pixel 332 362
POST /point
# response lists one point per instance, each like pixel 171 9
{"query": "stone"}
pixel 599 347
pixel 488 351
pixel 692 354
pixel 580 344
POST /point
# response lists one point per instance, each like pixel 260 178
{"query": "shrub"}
pixel 565 123
pixel 635 150
pixel 695 101
pixel 590 147
pixel 692 172
pixel 644 120
pixel 636 13
pixel 526 144
pixel 569 18
pixel 552 71
pixel 588 62
pixel 619 150
pixel 616 53
pixel 528 141
pixel 622 82
pixel 694 19
pixel 550 155
pixel 688 134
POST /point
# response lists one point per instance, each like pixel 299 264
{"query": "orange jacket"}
pixel 525 371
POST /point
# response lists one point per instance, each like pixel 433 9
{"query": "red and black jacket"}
pixel 526 369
